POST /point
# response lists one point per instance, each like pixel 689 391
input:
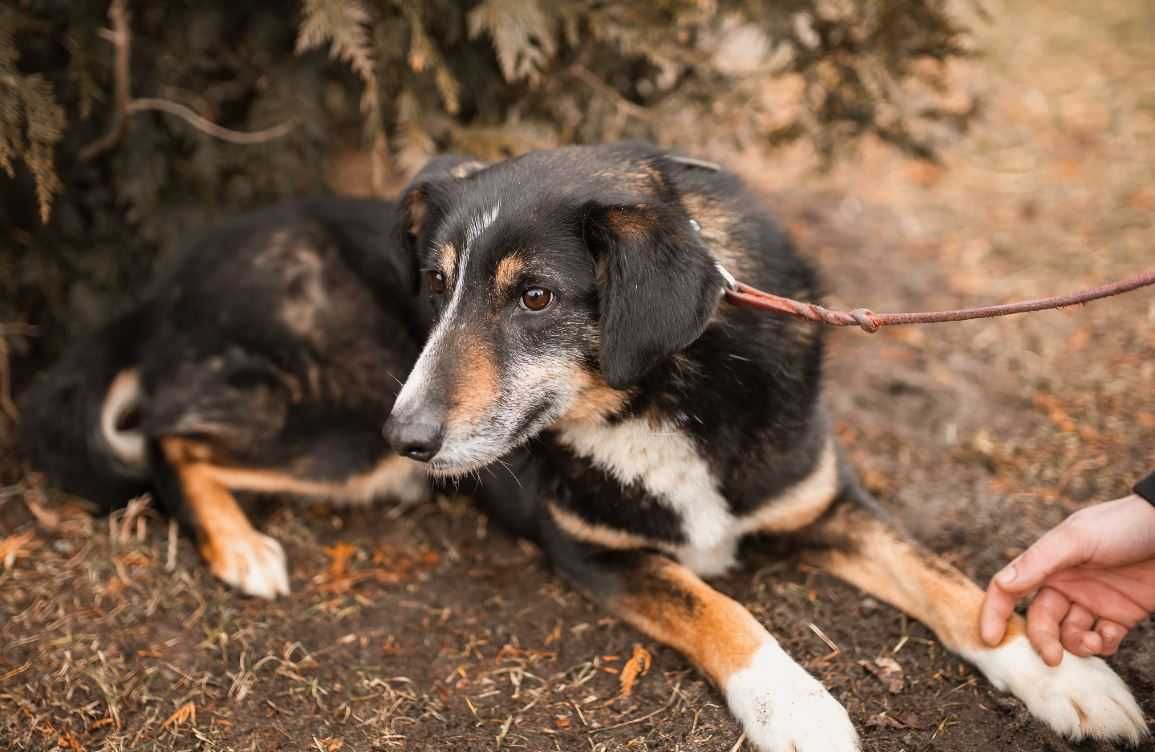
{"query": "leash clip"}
pixel 729 283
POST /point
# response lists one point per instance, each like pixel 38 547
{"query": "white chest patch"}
pixel 665 461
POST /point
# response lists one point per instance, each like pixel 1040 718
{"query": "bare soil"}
pixel 426 628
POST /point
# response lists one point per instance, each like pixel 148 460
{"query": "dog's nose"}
pixel 417 436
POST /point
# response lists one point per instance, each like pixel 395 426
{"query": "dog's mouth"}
pixel 484 446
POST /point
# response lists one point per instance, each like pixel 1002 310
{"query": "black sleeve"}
pixel 1146 488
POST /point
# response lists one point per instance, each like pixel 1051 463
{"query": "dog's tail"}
pixel 80 421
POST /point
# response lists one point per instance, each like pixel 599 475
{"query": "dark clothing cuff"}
pixel 1146 488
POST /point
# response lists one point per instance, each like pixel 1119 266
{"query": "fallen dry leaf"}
pixel 888 671
pixel 339 555
pixel 901 721
pixel 186 713
pixel 13 546
pixel 636 667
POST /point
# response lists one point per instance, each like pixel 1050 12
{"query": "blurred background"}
pixel 927 154
pixel 112 118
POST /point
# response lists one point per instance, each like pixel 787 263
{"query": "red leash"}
pixel 749 297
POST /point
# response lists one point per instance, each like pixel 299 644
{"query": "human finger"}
pixel 1060 548
pixel 1077 632
pixel 1112 634
pixel 1044 616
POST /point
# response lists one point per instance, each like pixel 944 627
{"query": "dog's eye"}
pixel 536 299
pixel 436 282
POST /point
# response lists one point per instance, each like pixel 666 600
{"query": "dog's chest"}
pixel 665 461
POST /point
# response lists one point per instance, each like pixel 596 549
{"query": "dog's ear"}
pixel 425 199
pixel 658 285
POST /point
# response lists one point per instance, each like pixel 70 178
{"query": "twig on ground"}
pixel 121 38
pixel 669 704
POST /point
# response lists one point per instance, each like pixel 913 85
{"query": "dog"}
pixel 659 436
pixel 264 358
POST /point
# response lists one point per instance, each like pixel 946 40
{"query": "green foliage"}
pixel 399 80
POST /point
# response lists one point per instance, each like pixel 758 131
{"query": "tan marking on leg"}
pixel 508 271
pixel 234 550
pixel 475 383
pixel 394 476
pixel 599 535
pixel 881 561
pixel 803 503
pixel 669 603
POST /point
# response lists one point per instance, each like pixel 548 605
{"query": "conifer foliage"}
pixel 298 83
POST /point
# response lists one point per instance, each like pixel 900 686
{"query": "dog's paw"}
pixel 1081 697
pixel 784 709
pixel 253 563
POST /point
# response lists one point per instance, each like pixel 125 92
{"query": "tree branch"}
pixel 121 38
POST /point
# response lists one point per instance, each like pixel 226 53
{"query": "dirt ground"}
pixel 425 628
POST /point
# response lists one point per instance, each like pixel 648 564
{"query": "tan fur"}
pixel 393 476
pixel 717 224
pixel 475 383
pixel 465 169
pixel 447 259
pixel 631 221
pixel 220 523
pixel 599 535
pixel 877 559
pixel 508 271
pixel 596 400
pixel 670 604
pixel 415 208
pixel 637 178
pixel 802 504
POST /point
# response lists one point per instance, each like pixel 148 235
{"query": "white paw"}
pixel 1081 697
pixel 253 563
pixel 784 709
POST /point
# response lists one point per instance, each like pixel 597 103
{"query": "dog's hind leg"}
pixel 782 707
pixel 1082 697
pixel 235 551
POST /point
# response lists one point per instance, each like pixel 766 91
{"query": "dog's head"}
pixel 559 280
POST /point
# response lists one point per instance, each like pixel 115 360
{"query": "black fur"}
pixel 279 339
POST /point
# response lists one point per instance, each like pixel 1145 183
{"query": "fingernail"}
pixel 1007 576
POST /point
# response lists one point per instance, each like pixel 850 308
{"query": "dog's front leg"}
pixel 1078 698
pixel 248 560
pixel 782 708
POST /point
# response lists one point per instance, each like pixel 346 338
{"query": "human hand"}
pixel 1095 576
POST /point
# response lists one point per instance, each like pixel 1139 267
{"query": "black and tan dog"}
pixel 576 298
pixel 264 359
